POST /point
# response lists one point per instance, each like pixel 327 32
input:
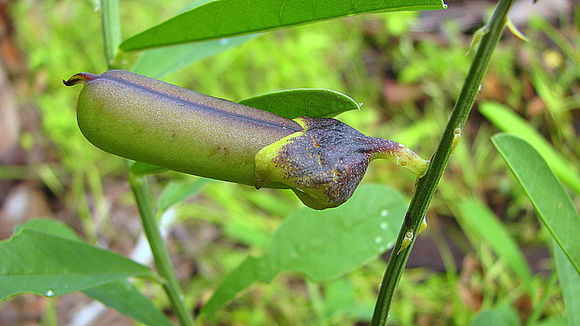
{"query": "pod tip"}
pixel 79 78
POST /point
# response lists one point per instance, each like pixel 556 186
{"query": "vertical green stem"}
pixel 159 250
pixel 428 183
pixel 49 317
pixel 111 28
pixel 112 39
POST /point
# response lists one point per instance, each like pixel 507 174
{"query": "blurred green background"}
pixel 406 69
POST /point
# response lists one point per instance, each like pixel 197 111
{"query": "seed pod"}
pixel 147 120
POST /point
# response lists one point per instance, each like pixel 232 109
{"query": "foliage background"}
pixel 407 70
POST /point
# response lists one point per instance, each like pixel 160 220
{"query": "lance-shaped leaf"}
pixel 553 205
pixel 217 19
pixel 508 121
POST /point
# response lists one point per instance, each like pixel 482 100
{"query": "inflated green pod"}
pixel 147 120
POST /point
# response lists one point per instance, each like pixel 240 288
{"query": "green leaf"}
pixel 506 120
pixel 126 299
pixel 498 316
pixel 545 192
pixel 322 244
pixel 311 102
pixel 570 284
pixel 177 192
pixel 35 261
pixel 120 295
pixel 338 296
pixel 156 63
pixel 140 168
pixel 52 227
pixel 477 217
pixel 216 19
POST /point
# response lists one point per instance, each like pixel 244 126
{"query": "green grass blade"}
pixel 311 102
pixel 217 19
pixel 477 217
pixel 322 244
pixel 506 120
pixel 545 192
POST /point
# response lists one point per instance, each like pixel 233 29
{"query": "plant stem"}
pixel 427 185
pixel 111 40
pixel 159 250
pixel 111 28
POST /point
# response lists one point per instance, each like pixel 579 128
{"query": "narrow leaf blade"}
pixel 217 19
pixel 545 192
pixel 311 102
pixel 570 284
pixel 506 120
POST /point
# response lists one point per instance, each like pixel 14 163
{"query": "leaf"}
pixel 498 316
pixel 156 63
pixel 49 226
pixel 338 296
pixel 35 261
pixel 120 295
pixel 174 192
pixel 570 284
pixel 322 244
pixel 217 19
pixel 141 168
pixel 311 102
pixel 126 299
pixel 480 219
pixel 508 121
pixel 553 205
